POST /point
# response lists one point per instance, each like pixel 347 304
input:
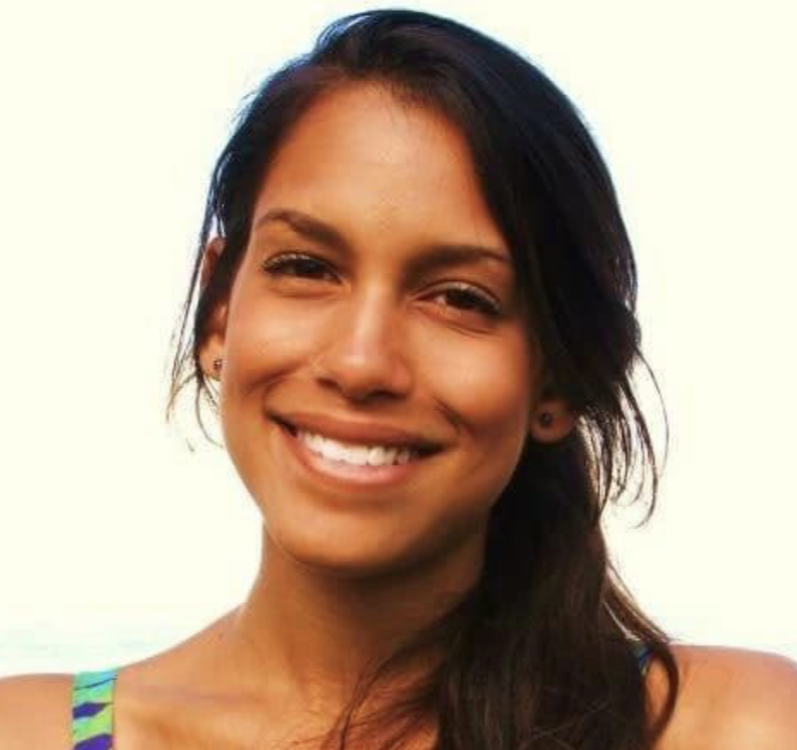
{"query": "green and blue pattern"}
pixel 92 710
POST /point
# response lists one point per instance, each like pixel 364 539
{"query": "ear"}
pixel 551 418
pixel 211 348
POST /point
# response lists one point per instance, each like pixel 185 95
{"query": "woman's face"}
pixel 362 313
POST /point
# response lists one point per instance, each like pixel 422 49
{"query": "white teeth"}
pixel 379 455
pixel 359 455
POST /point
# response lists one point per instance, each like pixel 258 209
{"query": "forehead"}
pixel 363 160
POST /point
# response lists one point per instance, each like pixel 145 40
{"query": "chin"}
pixel 349 550
pixel 347 566
pixel 335 552
pixel 349 553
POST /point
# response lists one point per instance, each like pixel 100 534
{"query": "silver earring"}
pixel 217 364
pixel 546 419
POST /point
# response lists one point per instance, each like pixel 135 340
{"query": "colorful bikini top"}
pixel 92 710
pixel 92 704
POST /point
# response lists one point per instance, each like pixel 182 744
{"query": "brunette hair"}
pixel 539 653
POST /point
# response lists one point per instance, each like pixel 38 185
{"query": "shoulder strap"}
pixel 92 710
pixel 643 653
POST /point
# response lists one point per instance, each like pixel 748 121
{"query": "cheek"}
pixel 264 341
pixel 488 384
pixel 488 389
pixel 264 346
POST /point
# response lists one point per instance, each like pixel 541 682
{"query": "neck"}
pixel 312 634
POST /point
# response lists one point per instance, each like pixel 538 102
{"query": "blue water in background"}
pixel 44 650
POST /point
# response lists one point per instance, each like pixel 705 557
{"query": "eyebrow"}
pixel 441 254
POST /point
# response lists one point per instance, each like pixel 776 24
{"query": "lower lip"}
pixel 350 475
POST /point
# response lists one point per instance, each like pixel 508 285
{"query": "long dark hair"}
pixel 539 654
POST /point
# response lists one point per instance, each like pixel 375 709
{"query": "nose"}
pixel 362 354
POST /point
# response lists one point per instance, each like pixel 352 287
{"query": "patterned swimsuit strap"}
pixel 92 710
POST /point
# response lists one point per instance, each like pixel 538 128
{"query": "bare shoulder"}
pixel 731 699
pixel 35 711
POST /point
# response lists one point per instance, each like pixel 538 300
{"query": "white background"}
pixel 116 539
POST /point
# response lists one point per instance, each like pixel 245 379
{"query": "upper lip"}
pixel 345 430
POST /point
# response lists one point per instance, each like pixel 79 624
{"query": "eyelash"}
pixel 278 267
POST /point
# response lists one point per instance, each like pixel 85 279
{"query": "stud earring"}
pixel 546 419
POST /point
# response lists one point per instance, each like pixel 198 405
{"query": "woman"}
pixel 415 303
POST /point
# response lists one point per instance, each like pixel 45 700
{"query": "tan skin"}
pixel 369 335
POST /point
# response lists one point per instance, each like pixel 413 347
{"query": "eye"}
pixel 461 297
pixel 296 264
pixel 468 299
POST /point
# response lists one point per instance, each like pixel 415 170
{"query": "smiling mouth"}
pixel 358 453
pixel 353 468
